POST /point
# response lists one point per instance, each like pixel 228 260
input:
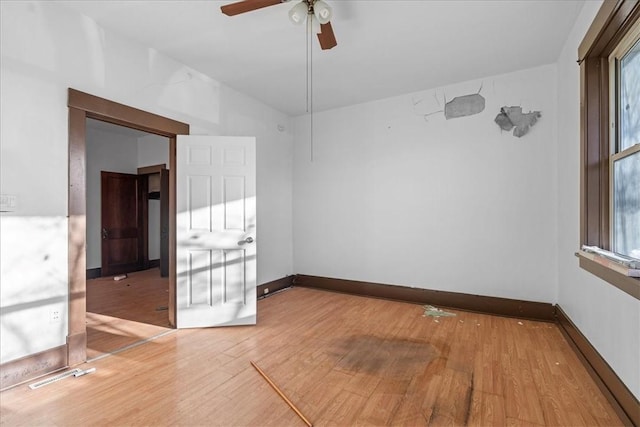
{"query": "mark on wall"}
pixel 462 106
pixel 513 118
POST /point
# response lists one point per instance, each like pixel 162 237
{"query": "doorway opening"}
pixel 126 236
pixel 83 106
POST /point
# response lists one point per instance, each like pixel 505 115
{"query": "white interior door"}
pixel 216 231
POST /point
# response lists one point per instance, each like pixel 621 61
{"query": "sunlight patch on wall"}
pixel 183 90
pixel 34 291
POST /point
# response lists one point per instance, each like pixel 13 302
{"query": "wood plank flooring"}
pixel 343 360
pixel 121 313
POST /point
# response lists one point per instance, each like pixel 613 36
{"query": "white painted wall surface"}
pixel 153 150
pixel 45 49
pixel 111 152
pixel 457 205
pixel 609 318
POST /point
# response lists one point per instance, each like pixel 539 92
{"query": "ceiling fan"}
pixel 314 11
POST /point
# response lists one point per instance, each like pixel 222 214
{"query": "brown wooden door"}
pixel 164 223
pixel 122 223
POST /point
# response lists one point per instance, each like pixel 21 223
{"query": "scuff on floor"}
pixel 432 311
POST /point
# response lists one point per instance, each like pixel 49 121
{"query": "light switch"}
pixel 8 202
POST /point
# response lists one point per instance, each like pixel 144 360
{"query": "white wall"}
pixel 46 49
pixel 153 150
pixel 608 317
pixel 106 151
pixel 457 205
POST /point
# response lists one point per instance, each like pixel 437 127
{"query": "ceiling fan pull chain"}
pixel 310 79
pixel 311 82
pixel 308 32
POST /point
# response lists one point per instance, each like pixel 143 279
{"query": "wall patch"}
pixel 513 118
pixel 462 106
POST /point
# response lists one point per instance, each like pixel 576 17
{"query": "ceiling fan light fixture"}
pixel 322 11
pixel 298 13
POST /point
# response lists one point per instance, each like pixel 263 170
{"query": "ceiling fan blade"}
pixel 247 6
pixel 326 37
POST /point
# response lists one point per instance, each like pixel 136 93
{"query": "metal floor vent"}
pixel 54 379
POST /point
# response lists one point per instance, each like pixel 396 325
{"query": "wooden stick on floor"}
pixel 275 387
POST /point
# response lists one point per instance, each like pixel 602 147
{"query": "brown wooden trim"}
pixel 82 105
pixel 601 20
pixel 482 304
pixel 275 285
pixel 173 310
pixel 77 227
pixel 612 21
pixel 595 152
pixel 629 285
pixel 77 348
pixel 33 366
pixel 120 114
pixel 94 273
pixel 620 397
pixel 147 170
pixel 143 220
pixel 609 27
pixel 164 223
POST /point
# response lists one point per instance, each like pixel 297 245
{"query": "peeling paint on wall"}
pixel 462 106
pixel 513 118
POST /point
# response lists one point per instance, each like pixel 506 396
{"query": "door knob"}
pixel 247 240
pixel 105 234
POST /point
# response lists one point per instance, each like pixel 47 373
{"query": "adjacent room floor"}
pixel 342 360
pixel 123 312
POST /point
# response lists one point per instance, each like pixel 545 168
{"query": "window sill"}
pixel 630 285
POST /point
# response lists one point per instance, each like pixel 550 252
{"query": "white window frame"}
pixel 621 49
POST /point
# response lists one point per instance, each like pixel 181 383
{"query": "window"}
pixel 609 58
pixel 624 72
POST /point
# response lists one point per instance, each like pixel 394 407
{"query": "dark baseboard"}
pixel 477 303
pixel 622 400
pixel 94 273
pixel 620 397
pixel 275 285
pixel 33 366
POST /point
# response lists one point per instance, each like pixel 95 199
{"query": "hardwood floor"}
pixel 342 360
pixel 121 313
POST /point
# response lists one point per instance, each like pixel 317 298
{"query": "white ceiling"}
pixel 385 47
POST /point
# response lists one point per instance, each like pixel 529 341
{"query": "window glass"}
pixel 625 159
pixel 626 205
pixel 630 98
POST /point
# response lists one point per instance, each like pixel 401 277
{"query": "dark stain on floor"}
pixel 376 355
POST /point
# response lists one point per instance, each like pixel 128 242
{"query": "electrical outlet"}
pixel 266 290
pixel 54 315
pixel 8 202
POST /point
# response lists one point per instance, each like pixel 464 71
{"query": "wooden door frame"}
pixel 82 106
pixel 163 173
